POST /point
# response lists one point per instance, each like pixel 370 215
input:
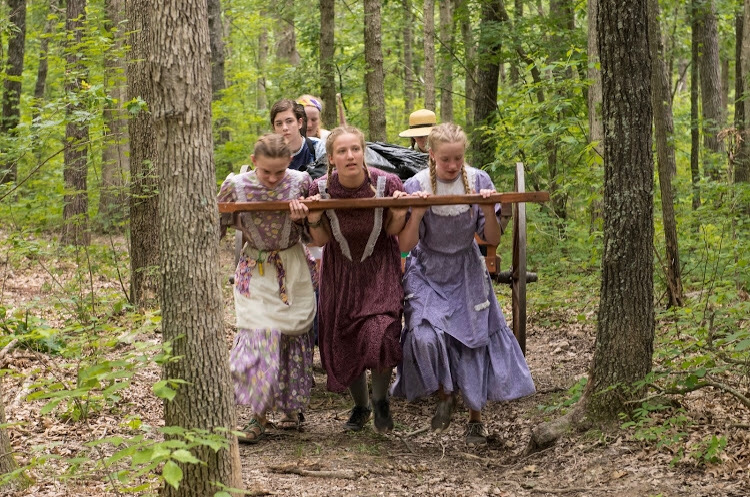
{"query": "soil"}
pixel 323 460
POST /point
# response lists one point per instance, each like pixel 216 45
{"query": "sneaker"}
pixel 442 418
pixel 476 433
pixel 383 421
pixel 360 416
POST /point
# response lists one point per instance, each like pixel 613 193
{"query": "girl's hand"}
pixel 399 211
pixel 314 216
pixel 488 209
pixel 420 211
pixel 298 210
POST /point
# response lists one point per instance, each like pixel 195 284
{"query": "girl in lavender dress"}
pixel 272 356
pixel 455 337
pixel 359 322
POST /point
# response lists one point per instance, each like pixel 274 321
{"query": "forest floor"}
pixel 323 460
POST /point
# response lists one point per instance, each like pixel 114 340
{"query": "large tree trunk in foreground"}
pixel 144 188
pixel 664 134
pixel 374 77
pixel 191 301
pixel 625 329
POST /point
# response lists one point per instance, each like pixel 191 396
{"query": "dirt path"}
pixel 322 460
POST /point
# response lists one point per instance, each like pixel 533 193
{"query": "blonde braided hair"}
pixel 447 133
pixel 336 133
pixel 272 146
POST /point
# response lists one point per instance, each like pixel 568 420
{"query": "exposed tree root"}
pixel 546 434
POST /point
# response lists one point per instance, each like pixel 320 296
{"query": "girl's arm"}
pixel 396 218
pixel 227 193
pixel 316 221
pixel 409 236
pixel 492 229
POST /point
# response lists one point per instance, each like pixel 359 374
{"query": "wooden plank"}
pixel 373 202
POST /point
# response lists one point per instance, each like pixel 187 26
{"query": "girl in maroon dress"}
pixel 360 306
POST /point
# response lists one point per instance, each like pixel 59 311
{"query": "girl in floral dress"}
pixel 274 299
pixel 359 321
pixel 455 337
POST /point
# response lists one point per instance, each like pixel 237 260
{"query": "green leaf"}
pixel 162 391
pixel 172 474
pixel 185 456
pixel 743 345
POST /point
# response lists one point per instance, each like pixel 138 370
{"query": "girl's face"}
pixel 313 120
pixel 270 170
pixel 288 126
pixel 348 158
pixel 449 159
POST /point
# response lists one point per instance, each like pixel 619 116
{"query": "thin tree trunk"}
pixel 470 62
pixel 664 134
pixel 286 38
pixel 12 83
pixel 742 166
pixel 596 127
pixel 218 82
pixel 483 146
pixel 75 171
pixel 327 66
pixel 191 301
pixel 409 76
pixel 695 146
pixel 446 60
pixel 625 325
pixel 710 81
pixel 374 77
pixel 144 188
pixel 429 54
pixel 261 100
pixel 115 155
pixel 515 73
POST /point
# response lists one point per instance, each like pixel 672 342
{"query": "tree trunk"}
pixel 191 300
pixel 144 191
pixel 115 155
pixel 695 147
pixel 374 78
pixel 664 134
pixel 409 77
pixel 218 83
pixel 12 83
pixel 327 66
pixel 261 100
pixel 710 81
pixel 625 325
pixel 742 167
pixel 470 62
pixel 515 73
pixel 286 38
pixel 75 171
pixel 446 60
pixel 596 127
pixel 483 147
pixel 429 54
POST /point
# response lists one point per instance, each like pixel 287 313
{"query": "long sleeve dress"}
pixel 455 334
pixel 360 304
pixel 272 356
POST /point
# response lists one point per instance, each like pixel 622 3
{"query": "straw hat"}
pixel 421 123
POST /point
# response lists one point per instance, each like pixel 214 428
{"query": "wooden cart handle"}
pixel 373 202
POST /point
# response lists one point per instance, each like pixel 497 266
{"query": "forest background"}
pixel 523 79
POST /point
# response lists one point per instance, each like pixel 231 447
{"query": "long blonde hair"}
pixel 446 133
pixel 345 130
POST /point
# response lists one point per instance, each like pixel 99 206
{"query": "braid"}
pixel 329 173
pixel 433 175
pixel 465 175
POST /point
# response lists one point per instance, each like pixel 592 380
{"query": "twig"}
pixel 578 490
pixel 416 432
pixel 294 470
pixel 403 439
pixel 8 348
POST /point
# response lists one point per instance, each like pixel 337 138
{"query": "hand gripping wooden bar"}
pixel 371 203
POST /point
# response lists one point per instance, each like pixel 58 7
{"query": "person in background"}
pixel 274 299
pixel 455 338
pixel 313 109
pixel 288 120
pixel 360 304
pixel 421 123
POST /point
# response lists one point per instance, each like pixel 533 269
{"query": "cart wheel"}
pixel 518 279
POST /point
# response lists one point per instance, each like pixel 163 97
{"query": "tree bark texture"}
pixel 190 295
pixel 742 166
pixel 470 61
pixel 410 77
pixel 515 74
pixel 327 66
pixel 429 54
pixel 115 155
pixel 12 82
pixel 596 127
pixel 710 81
pixel 75 171
pixel 482 145
pixel 625 329
pixel 664 135
pixel 446 61
pixel 144 188
pixel 374 77
pixel 218 82
pixel 695 146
